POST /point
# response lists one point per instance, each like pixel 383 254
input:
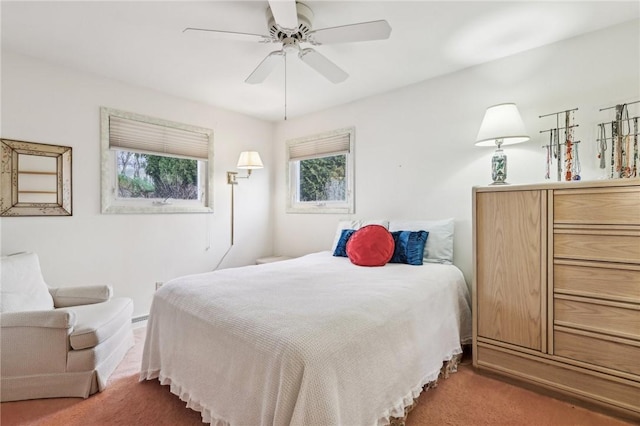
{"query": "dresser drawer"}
pixel 597 280
pixel 579 382
pixel 622 320
pixel 598 245
pixel 618 355
pixel 597 206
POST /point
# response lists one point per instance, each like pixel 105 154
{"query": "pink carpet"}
pixel 466 398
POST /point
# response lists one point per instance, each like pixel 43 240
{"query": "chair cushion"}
pixel 97 322
pixel 23 288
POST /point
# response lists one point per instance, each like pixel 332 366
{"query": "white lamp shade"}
pixel 250 160
pixel 501 122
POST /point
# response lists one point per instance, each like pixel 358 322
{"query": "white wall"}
pixel 48 104
pixel 415 157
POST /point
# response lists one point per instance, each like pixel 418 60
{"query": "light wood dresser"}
pixel 556 291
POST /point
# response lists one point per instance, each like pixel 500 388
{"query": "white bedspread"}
pixel 309 341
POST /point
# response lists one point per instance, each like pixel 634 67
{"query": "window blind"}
pixel 149 138
pixel 333 145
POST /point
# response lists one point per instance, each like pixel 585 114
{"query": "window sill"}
pixel 146 209
pixel 320 210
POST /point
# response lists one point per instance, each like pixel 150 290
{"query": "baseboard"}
pixel 139 321
pixel 139 318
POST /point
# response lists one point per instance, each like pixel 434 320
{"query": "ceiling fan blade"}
pixel 364 31
pixel 263 70
pixel 285 13
pixel 324 66
pixel 227 34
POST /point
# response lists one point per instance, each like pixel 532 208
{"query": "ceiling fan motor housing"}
pixel 305 17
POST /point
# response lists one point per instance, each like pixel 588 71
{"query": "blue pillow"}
pixel 341 247
pixel 409 247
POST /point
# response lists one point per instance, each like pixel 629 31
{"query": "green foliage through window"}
pixel 154 176
pixel 323 179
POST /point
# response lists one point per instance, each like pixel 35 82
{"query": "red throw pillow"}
pixel 370 245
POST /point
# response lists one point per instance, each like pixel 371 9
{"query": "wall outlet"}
pixel 159 284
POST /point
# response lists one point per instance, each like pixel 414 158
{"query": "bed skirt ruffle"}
pixel 448 367
pixel 409 402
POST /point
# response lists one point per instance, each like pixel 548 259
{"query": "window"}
pixel 154 166
pixel 321 176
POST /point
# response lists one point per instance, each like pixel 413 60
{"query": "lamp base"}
pixel 500 183
pixel 499 166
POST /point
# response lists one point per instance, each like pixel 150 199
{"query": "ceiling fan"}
pixel 290 23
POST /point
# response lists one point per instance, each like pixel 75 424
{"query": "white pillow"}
pixel 439 247
pixel 23 288
pixel 355 224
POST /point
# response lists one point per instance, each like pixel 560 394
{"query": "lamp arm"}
pixel 233 176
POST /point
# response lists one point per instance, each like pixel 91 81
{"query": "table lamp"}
pixel 501 125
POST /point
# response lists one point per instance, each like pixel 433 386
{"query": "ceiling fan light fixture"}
pixel 290 45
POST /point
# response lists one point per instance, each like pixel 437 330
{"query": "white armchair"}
pixel 57 342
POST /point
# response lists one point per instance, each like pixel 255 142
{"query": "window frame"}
pixel 111 203
pixel 292 170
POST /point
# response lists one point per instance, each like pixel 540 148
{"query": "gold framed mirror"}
pixel 35 179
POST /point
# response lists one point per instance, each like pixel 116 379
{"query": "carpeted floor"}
pixel 466 398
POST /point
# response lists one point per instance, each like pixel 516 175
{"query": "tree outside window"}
pixel 155 176
pixel 153 165
pixel 321 173
pixel 323 179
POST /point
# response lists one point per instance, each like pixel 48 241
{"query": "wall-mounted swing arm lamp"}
pixel 248 160
pixel 501 125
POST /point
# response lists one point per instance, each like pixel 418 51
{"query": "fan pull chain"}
pixel 285 87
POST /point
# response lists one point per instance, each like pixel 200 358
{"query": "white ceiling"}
pixel 142 43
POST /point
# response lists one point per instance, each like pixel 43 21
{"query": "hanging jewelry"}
pixel 618 141
pixel 558 152
pixel 547 174
pixel 554 143
pixel 614 135
pixel 568 146
pixel 634 166
pixel 576 162
pixel 602 146
pixel 627 156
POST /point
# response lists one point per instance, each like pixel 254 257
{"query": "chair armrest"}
pixel 84 295
pixel 42 319
pixel 35 343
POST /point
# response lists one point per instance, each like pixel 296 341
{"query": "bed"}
pixel 314 340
